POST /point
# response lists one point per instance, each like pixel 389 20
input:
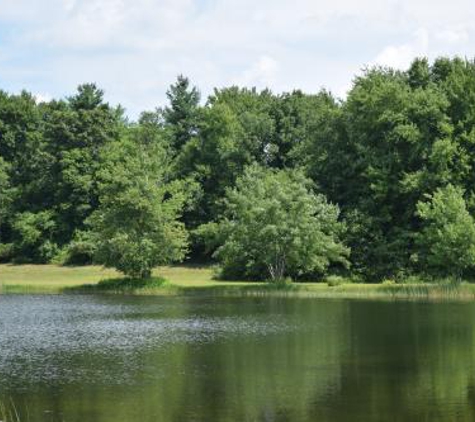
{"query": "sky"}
pixel 134 49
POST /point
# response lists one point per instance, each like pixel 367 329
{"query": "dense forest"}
pixel 378 185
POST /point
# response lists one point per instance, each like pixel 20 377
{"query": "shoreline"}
pixel 198 281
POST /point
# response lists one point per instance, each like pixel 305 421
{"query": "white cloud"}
pixel 261 74
pixel 453 35
pixel 42 98
pixel 400 56
pixel 134 49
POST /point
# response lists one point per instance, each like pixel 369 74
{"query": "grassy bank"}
pixel 199 280
pixel 57 279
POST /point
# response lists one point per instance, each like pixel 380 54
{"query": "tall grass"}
pixel 432 291
pixel 199 281
pixel 9 412
pixel 123 285
pixel 343 290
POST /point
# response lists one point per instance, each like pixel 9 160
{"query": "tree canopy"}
pixel 135 226
pixel 397 144
pixel 447 239
pixel 5 193
pixel 274 227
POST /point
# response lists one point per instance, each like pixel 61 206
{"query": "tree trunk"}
pixel 277 268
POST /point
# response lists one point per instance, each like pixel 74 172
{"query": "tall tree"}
pixel 276 227
pixel 388 145
pixel 5 193
pixel 181 116
pixel 136 225
pixel 214 160
pixel 23 147
pixel 447 238
pixel 76 132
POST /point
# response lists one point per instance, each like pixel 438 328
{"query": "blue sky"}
pixel 134 49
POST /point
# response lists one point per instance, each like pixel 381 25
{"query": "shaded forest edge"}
pixel 378 187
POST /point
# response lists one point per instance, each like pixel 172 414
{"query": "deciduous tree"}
pixel 275 226
pixel 136 225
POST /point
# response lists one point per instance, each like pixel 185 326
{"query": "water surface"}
pixel 117 359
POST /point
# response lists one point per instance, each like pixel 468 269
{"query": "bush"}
pixel 412 279
pixel 33 234
pixel 128 284
pixel 275 227
pixel 335 280
pixel 80 250
pixel 388 282
pixel 284 281
pixel 6 251
pixel 447 239
pixel 48 251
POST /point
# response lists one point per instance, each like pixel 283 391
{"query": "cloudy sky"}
pixel 134 49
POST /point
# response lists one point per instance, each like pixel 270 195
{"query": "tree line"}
pixel 378 185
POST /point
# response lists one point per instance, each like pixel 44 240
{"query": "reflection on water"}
pixel 107 358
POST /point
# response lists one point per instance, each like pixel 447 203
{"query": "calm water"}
pixel 116 359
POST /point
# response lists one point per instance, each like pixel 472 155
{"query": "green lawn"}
pixel 53 278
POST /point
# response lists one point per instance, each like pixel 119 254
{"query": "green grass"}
pixel 124 285
pixel 49 278
pixel 199 280
pixel 56 279
pixel 8 412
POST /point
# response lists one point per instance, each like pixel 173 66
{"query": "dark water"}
pixel 116 359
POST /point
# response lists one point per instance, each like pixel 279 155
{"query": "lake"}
pixel 114 359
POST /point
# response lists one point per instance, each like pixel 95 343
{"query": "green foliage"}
pixel 447 238
pixel 413 279
pixel 9 412
pixel 275 227
pixel 181 117
pixel 393 140
pixel 76 132
pixel 89 97
pixel 6 252
pixel 135 226
pixel 5 192
pixel 23 157
pixel 214 160
pixel 397 137
pixel 129 284
pixel 34 233
pixel 239 127
pixel 335 280
pixel 80 251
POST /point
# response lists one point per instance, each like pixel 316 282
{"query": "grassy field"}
pixel 55 279
pixel 199 280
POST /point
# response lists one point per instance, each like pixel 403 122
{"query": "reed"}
pixel 195 280
pixel 9 412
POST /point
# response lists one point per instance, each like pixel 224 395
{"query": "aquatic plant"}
pixel 9 412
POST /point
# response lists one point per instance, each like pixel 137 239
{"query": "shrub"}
pixel 6 251
pixel 80 250
pixel 275 227
pixel 335 280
